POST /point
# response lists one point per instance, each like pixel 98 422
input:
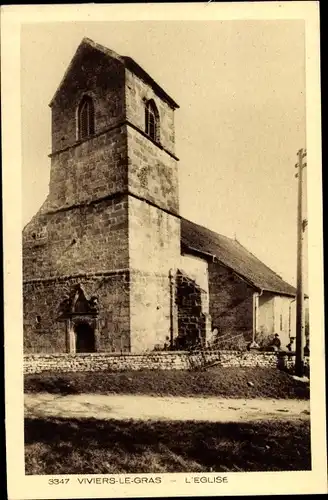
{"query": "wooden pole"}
pixel 299 363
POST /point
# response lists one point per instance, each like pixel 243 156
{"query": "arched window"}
pixel 86 118
pixel 152 120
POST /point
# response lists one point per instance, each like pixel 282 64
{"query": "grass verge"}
pixel 60 446
pixel 223 382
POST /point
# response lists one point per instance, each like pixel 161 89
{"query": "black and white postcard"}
pixel 164 325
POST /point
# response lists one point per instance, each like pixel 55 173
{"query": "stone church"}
pixel 109 264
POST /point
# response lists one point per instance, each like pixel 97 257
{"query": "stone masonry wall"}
pixel 154 249
pixel 231 302
pixel 154 238
pixel 90 226
pixel 90 238
pixel 90 170
pixel 99 76
pixel 153 173
pixel 61 363
pixel 150 311
pixel 137 93
pixel 191 320
pixel 43 330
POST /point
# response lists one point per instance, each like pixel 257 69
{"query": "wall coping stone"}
pixel 156 353
pixel 168 360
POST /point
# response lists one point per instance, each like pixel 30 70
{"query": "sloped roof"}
pixel 128 62
pixel 235 256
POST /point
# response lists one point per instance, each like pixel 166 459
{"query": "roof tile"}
pixel 233 255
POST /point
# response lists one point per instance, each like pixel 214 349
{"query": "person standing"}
pixel 290 346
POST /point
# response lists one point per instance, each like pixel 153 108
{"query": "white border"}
pixel 35 487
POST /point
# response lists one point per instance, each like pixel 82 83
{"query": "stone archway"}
pixel 80 314
pixel 85 337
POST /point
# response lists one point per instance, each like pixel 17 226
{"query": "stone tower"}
pixel 97 257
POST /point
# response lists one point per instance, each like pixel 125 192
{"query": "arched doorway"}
pixel 85 337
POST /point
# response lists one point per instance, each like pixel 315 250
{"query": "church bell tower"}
pixel 109 229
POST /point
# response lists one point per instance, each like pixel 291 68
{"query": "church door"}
pixel 85 337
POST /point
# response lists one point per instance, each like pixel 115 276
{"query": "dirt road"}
pixel 123 407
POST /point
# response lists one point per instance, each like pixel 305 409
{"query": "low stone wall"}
pixel 99 362
pixel 287 363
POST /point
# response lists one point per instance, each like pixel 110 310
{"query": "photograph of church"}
pixel 159 233
pixel 109 263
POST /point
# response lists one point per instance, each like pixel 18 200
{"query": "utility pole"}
pixel 301 224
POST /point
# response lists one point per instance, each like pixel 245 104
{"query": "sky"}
pixel 240 86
